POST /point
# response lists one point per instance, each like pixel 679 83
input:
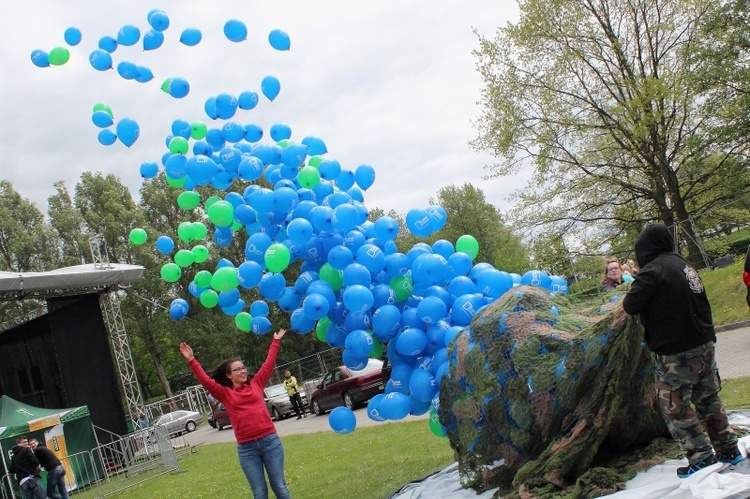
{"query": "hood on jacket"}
pixel 653 240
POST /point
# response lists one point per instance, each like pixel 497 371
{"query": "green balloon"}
pixel 203 279
pixel 469 245
pixel 277 258
pixel 103 107
pixel 58 56
pixel 221 213
pixel 171 272
pixel 186 232
pixel 283 143
pixel 184 258
pixel 225 279
pixel 403 286
pixel 321 328
pixel 200 231
pixel 178 145
pixel 188 200
pixel 176 182
pixel 308 177
pixel 315 160
pixel 332 276
pixel 435 427
pixel 209 298
pixel 165 85
pixel 242 321
pixel 377 347
pixel 198 130
pixel 210 201
pixel 138 236
pixel 201 253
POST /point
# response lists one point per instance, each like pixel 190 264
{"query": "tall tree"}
pixel 70 227
pixel 599 98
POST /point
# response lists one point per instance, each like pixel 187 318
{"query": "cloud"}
pixel 392 84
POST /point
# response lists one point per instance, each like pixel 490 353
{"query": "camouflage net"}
pixel 542 388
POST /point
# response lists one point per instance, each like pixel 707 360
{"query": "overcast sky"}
pixel 388 83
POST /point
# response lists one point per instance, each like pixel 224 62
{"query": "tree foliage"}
pixel 600 98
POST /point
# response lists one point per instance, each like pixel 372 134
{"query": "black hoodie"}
pixel 669 295
pixel 23 463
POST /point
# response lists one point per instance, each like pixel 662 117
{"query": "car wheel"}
pixel 349 402
pixel 190 426
pixel 219 426
pixel 275 413
pixel 316 408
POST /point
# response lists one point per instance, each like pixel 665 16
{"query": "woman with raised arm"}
pixel 258 445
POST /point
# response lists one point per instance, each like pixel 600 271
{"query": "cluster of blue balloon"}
pixel 126 129
pixel 424 223
pixel 58 55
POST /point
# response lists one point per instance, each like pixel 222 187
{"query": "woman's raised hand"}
pixel 279 334
pixel 186 351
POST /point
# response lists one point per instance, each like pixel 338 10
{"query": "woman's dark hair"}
pixel 220 373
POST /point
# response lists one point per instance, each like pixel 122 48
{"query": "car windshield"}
pixel 275 391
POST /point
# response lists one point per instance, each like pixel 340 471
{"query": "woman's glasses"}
pixel 237 369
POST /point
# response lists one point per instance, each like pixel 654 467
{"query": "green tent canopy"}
pixel 69 432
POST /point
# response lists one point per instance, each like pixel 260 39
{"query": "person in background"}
pixel 258 444
pixel 746 276
pixel 55 470
pixel 612 275
pixel 627 273
pixel 25 465
pixel 290 384
pixel 670 299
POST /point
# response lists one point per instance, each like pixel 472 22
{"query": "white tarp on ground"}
pixel 719 481
pixel 69 278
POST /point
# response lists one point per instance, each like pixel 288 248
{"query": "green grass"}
pixel 726 292
pixel 735 393
pixel 371 462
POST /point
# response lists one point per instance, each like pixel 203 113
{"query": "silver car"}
pixel 278 403
pixel 178 422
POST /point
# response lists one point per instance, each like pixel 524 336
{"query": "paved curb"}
pixel 729 327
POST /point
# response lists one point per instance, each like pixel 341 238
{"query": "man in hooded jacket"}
pixel 671 300
pixel 25 465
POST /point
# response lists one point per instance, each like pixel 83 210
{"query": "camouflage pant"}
pixel 687 377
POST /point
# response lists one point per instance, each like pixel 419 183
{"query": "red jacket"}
pixel 245 405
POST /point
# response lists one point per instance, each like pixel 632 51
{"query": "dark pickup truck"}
pixel 342 386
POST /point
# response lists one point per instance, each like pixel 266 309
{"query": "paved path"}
pixel 733 352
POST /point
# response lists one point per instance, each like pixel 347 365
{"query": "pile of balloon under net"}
pixel 542 386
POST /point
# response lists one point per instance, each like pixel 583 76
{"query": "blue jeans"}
pixel 254 455
pixel 56 479
pixel 32 488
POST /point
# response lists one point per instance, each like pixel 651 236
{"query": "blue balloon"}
pixel 191 36
pixel 418 222
pixel 371 257
pixel 270 87
pixel 272 286
pixel 280 131
pixel 226 105
pixel 100 60
pixel 411 342
pixel 438 217
pixel 249 274
pixel 315 306
pixel 108 44
pixel 299 231
pixel 386 322
pixel 537 278
pixel 229 298
pixel 342 420
pixel 234 309
pixel 386 228
pixel 431 309
pixel 233 132
pixel 210 108
pixel 364 176
pixel 294 155
pixel 464 308
pixel 444 248
pixel 358 298
pixel 394 406
pixel 459 263
pixel 357 274
pixel 279 40
pixel 149 169
pixel 316 145
pixel 345 217
pixel 345 179
pixel 40 58
pixel 179 88
pixel 235 30
pixel 153 39
pixel 128 35
pixel 127 131
pixel 102 119
pixel 247 100
pixel 289 300
pixel 144 74
pixel 176 166
pixel 260 325
pixel 300 322
pixel 259 308
pixel 253 132
pixel 181 128
pixel 304 280
pixel 72 36
pixel 558 284
pixel 422 385
pixel 107 137
pixel 352 362
pixel 178 309
pixel 158 20
pixel 127 70
pixel 339 257
pixel 372 408
pixel 359 343
pixel 459 286
pixel 329 169
pixel 493 283
pixel 165 245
